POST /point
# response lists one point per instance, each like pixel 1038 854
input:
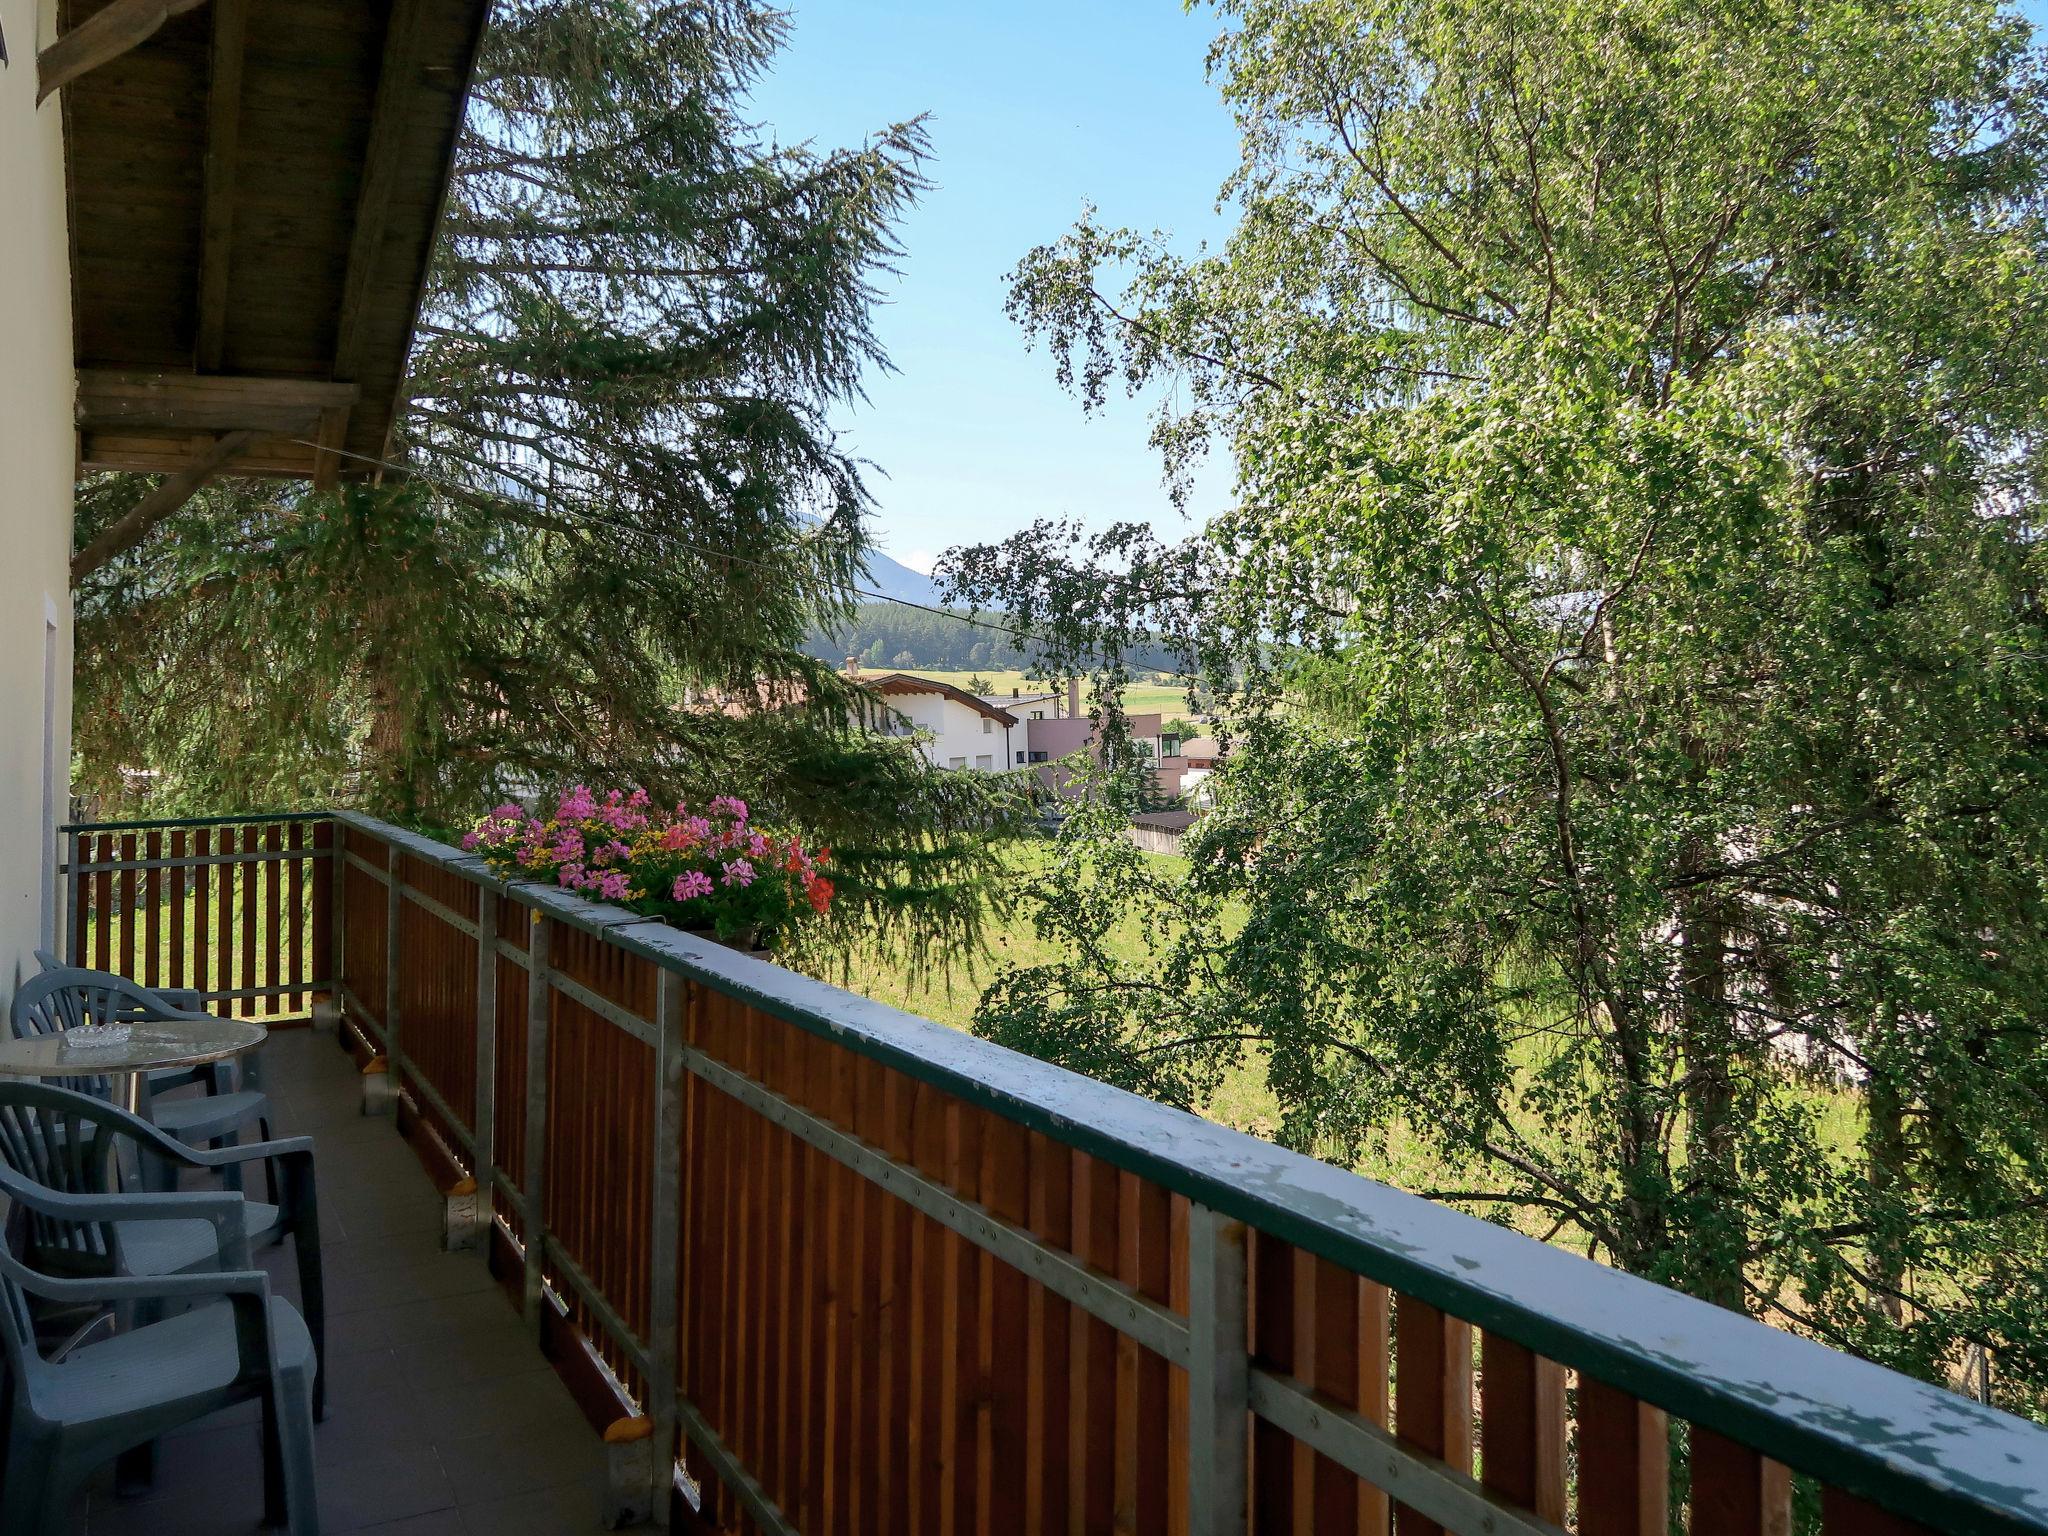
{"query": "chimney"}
pixel 1013 693
pixel 1073 698
pixel 853 666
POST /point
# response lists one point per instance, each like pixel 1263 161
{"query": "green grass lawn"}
pixel 1169 699
pixel 1242 1099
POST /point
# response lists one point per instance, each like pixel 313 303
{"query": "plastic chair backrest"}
pixel 69 996
pixel 25 1362
pixel 64 1141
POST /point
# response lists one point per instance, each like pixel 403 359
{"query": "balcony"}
pixel 803 1263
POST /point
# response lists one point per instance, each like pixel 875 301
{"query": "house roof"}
pixel 1199 746
pixel 908 682
pixel 254 191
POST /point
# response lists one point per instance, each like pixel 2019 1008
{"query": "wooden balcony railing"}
pixel 814 1265
pixel 231 907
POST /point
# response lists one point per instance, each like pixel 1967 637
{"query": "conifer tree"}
pixel 613 506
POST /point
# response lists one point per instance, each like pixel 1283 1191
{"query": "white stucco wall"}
pixel 36 466
pixel 955 731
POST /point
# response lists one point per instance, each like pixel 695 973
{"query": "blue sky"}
pixel 1034 110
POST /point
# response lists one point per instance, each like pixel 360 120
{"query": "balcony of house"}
pixel 628 1226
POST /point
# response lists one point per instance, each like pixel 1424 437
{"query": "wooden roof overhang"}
pixel 254 188
pixel 898 683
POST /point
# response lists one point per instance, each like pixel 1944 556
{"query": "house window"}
pixel 1021 758
pixel 1038 757
pixel 987 725
pixel 1038 714
pixel 986 762
pixel 956 762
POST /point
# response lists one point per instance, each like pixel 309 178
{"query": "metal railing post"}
pixel 380 1089
pixel 69 940
pixel 534 1228
pixel 1218 1374
pixel 327 1004
pixel 665 1228
pixel 484 1121
pixel 394 906
pixel 337 924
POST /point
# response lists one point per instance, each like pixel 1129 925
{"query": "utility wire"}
pixel 702 549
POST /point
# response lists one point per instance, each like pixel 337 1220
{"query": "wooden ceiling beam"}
pixel 103 36
pixel 383 159
pixel 284 456
pixel 118 398
pixel 170 494
pixel 223 152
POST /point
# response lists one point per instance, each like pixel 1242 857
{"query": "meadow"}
pixel 1243 1099
pixel 1168 698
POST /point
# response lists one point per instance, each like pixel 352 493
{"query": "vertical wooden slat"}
pixel 1181 1484
pixel 897 1280
pixel 1092 1425
pixel 202 913
pixel 151 974
pixel 1522 1427
pixel 533 1124
pixel 249 874
pixel 1129 1408
pixel 103 906
pixel 922 1410
pixel 1735 1491
pixel 826 1309
pixel 295 914
pixel 1624 1459
pixel 961 1332
pixel 956 1319
pixel 224 920
pixel 1147 1230
pixel 851 1273
pixel 1274 1315
pixel 1004 1358
pixel 1340 1343
pixel 326 962
pixel 180 883
pixel 1843 1514
pixel 1048 1324
pixel 272 968
pixel 127 918
pixel 1432 1393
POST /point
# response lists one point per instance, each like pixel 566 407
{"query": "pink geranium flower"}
pixel 690 885
pixel 739 872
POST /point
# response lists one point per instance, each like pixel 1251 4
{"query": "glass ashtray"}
pixel 97 1036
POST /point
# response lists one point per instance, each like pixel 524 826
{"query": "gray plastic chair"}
pixel 215 1076
pixel 237 1342
pixel 69 996
pixel 72 1143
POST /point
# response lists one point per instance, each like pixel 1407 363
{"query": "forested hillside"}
pixel 893 635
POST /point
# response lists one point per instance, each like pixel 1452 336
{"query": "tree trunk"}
pixel 1885 1152
pixel 1719 1237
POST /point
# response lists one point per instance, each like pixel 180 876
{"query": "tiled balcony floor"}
pixel 442 1417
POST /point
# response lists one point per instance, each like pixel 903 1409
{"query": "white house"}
pixel 955 729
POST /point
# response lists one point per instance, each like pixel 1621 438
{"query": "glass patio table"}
pixel 129 1049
